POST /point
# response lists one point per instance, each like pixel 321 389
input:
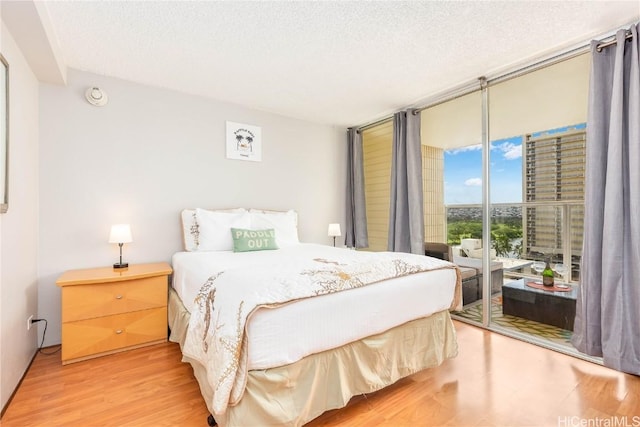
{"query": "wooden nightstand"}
pixel 105 310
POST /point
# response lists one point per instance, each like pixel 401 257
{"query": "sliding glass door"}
pixel 452 175
pixel 377 144
pixel 503 179
pixel 537 132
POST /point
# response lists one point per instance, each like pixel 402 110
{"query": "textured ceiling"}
pixel 339 63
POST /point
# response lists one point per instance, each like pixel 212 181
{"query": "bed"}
pixel 279 336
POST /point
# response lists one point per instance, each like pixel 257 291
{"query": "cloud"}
pixel 513 153
pixel 509 150
pixel 455 151
pixel 473 182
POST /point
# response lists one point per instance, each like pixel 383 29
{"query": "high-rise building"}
pixel 553 192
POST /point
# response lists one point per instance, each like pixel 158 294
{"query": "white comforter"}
pixel 237 284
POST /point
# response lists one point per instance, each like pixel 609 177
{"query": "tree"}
pixel 505 235
pixel 463 230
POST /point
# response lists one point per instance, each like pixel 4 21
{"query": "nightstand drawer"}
pixel 105 299
pixel 106 334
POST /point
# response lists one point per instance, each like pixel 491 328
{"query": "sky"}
pixel 463 173
pixel 463 170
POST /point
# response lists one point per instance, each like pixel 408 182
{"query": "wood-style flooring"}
pixel 494 381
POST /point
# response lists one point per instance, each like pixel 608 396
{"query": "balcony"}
pixel 522 233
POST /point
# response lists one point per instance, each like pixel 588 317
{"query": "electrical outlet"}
pixel 29 322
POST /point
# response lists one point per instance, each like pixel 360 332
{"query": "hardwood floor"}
pixel 494 381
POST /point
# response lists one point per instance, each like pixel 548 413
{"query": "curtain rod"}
pixel 373 124
pixel 602 45
pixel 539 64
pixel 450 96
pixel 384 120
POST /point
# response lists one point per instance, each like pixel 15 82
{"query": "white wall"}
pixel 19 226
pixel 150 153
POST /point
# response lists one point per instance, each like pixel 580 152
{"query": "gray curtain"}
pixel 406 220
pixel 356 235
pixel 608 309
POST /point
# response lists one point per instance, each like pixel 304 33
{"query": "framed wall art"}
pixel 244 142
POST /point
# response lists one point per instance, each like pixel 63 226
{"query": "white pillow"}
pixel 215 229
pixel 190 229
pixel 285 225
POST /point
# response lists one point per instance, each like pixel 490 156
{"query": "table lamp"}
pixel 120 234
pixel 334 231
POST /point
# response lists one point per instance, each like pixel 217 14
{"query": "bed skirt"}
pixel 294 394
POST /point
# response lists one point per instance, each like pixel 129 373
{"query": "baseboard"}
pixel 4 408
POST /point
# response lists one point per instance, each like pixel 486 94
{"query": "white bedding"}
pixel 283 335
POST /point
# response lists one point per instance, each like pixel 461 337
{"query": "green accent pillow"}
pixel 253 240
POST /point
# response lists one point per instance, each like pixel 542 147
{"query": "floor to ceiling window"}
pixel 537 133
pixel 452 128
pixel 377 143
pixel 535 163
pixel 452 175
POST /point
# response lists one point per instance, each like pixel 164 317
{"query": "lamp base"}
pixel 121 265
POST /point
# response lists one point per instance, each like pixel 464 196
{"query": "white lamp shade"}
pixel 120 233
pixel 334 230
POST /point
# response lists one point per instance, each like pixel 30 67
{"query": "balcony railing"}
pixel 527 231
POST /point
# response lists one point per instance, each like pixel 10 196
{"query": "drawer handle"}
pixel 119 331
pixel 118 296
